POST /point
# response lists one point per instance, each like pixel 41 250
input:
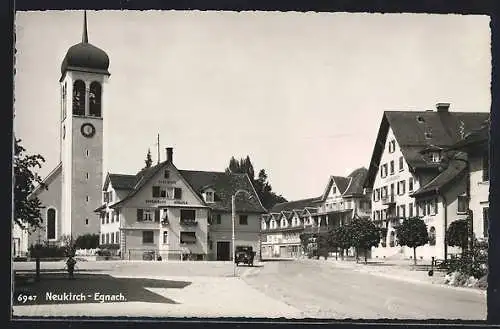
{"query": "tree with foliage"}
pixel 457 235
pixel 87 241
pixel 341 237
pixel 27 208
pixel 69 245
pixel 364 235
pixel 149 160
pixel 261 183
pixel 413 234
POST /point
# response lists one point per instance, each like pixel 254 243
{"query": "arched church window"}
pixel 79 97
pixel 95 99
pixel 432 236
pixel 51 224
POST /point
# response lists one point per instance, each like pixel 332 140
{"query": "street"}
pixel 323 290
pixel 289 289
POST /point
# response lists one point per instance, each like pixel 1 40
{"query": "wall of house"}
pixel 245 235
pixel 479 195
pixel 20 241
pixel 403 199
pixel 114 224
pixel 50 198
pixel 173 248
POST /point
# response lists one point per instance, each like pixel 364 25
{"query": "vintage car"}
pixel 244 255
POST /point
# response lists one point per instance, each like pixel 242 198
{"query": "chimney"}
pixel 442 107
pixel 169 154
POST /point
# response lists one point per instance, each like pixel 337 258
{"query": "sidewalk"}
pixel 402 270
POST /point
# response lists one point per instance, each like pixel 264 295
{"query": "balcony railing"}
pixel 388 199
pixel 188 222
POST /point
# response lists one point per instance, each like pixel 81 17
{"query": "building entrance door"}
pixel 223 250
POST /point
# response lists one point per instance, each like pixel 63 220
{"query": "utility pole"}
pixel 158 147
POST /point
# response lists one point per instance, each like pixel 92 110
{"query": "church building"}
pixel 74 186
pixel 159 213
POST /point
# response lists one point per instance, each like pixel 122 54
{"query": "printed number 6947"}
pixel 25 298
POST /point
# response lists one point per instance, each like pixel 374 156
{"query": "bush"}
pixel 110 246
pixel 104 252
pixel 87 241
pixel 47 251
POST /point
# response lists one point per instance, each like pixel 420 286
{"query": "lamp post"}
pixel 233 217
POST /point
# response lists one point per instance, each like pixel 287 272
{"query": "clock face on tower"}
pixel 88 130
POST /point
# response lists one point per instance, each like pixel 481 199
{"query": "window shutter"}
pixel 139 215
pixel 157 215
pixel 178 193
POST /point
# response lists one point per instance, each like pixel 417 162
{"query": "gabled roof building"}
pixel 163 212
pixel 343 199
pixel 413 172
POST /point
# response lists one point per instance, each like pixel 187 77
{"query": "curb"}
pixel 359 268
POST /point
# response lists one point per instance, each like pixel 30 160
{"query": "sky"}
pixel 301 93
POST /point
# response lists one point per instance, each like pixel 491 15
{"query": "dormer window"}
pixel 209 196
pixel 435 157
pixel 283 222
pixel 264 225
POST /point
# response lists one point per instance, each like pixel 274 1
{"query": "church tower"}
pixel 84 73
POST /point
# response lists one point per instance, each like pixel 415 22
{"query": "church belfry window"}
pixel 79 98
pixel 95 99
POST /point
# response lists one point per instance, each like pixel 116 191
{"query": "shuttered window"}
pixel 177 193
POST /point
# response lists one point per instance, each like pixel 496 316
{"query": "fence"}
pixel 163 255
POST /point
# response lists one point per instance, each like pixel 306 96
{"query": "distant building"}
pixel 174 214
pixel 412 175
pixel 343 199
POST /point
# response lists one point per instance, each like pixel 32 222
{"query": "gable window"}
pixel 177 193
pixel 462 204
pixel 165 237
pixel 209 196
pixel 243 220
pixel 383 170
pixel 334 189
pixel 410 184
pixel 51 224
pixel 147 237
pixel 392 167
pixel 188 237
pixel 486 167
pixel 156 191
pixel 86 221
pixel 401 163
pixel 166 174
pixel 392 146
pixel 486 217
